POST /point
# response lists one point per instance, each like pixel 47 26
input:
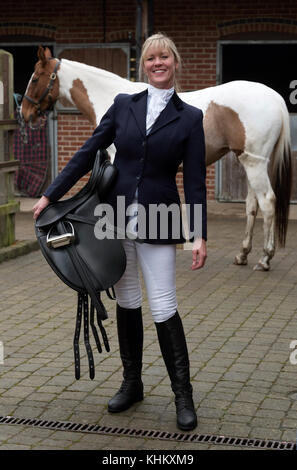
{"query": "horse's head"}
pixel 43 87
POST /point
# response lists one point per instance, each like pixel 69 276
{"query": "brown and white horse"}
pixel 247 118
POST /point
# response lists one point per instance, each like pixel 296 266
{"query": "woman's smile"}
pixel 160 67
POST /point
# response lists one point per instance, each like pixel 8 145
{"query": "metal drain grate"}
pixel 150 434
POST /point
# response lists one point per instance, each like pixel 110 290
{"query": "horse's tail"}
pixel 281 177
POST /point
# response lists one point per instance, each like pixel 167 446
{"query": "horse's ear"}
pixel 47 53
pixel 41 55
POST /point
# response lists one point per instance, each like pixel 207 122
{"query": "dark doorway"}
pixel 24 59
pixel 271 64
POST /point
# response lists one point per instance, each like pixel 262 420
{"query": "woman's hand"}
pixel 199 253
pixel 39 206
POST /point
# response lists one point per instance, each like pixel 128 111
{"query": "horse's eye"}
pixel 35 79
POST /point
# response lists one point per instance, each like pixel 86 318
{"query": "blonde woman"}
pixel 154 132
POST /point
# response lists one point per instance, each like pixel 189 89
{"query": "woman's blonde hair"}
pixel 160 41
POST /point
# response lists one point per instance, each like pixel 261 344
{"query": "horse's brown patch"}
pixel 224 132
pixel 79 94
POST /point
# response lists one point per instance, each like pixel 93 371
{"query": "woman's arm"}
pixel 194 172
pixel 81 162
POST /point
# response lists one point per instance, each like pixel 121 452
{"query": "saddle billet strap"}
pixel 87 337
pixel 103 332
pixel 82 306
pixel 76 337
pixel 92 323
pixel 111 296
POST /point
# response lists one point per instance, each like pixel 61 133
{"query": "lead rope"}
pixel 20 119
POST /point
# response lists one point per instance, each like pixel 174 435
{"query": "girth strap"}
pixel 76 336
pixel 87 337
pixel 102 329
pixel 83 311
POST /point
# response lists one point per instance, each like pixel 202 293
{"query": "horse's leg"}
pixel 256 170
pixel 251 213
pixel 267 206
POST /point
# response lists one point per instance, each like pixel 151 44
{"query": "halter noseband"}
pixel 47 91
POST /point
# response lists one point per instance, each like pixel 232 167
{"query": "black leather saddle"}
pixel 65 232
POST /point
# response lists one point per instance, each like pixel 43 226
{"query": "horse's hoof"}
pixel 239 261
pixel 261 267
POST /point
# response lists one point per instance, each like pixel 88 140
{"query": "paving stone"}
pixel 266 433
pixel 18 392
pixel 268 413
pixel 289 435
pixel 234 430
pixel 236 418
pixel 276 404
pixel 12 446
pixel 267 422
pixel 243 408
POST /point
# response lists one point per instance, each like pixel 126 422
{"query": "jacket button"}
pixel 144 143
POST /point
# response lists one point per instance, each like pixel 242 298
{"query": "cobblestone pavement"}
pixel 239 325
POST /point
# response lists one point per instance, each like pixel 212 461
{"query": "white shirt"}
pixel 157 100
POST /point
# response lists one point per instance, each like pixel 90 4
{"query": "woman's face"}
pixel 159 66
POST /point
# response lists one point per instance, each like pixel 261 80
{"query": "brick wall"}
pixel 194 25
pixel 68 20
pixel 74 130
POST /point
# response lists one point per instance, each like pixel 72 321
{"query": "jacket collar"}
pixel 170 113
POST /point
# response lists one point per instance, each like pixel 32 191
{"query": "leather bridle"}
pixel 47 91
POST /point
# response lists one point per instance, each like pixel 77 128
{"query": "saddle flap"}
pixel 104 260
pixel 107 177
pixel 57 211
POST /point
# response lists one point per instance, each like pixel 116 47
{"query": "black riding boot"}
pixel 130 334
pixel 175 354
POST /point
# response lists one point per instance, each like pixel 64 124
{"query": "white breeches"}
pixel 157 263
